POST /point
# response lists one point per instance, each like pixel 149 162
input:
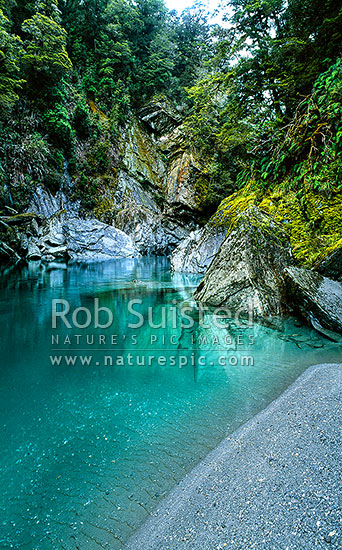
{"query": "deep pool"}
pixel 87 451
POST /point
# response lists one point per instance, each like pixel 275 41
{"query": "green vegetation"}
pixel 270 109
pixel 76 70
pixel 260 101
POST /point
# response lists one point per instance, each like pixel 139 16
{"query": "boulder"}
pixel 64 234
pixel 317 298
pixel 246 272
pixel 52 241
pixel 331 265
pixel 54 253
pixel 197 251
pixel 90 240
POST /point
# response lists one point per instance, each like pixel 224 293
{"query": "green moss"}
pixel 141 154
pixel 98 158
pixel 105 207
pixel 233 206
pixel 312 220
pixel 201 190
pixel 327 251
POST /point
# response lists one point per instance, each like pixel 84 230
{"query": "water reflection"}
pixel 88 450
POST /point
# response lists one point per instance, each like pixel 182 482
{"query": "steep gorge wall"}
pixel 142 184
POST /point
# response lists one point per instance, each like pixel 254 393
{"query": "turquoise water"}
pixel 89 450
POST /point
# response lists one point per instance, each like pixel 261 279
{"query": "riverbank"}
pixel 272 484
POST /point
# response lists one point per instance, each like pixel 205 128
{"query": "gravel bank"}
pixel 273 484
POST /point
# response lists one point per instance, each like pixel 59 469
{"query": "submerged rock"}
pixel 317 298
pixel 196 252
pixel 247 270
pixel 93 240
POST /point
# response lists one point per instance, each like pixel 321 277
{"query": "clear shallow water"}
pixel 89 450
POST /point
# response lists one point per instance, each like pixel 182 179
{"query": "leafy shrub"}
pixel 57 123
pixel 309 149
pixel 81 119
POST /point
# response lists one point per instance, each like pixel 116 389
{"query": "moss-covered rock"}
pixel 331 264
pixel 312 221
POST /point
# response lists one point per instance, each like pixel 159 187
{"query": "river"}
pixel 88 450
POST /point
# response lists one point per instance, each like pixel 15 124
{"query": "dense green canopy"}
pixel 260 95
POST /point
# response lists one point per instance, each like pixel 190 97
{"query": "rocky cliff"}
pixel 144 196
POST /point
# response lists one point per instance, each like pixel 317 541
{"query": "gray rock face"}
pixel 45 204
pixel 160 116
pixel 150 231
pixel 152 197
pixel 142 193
pixel 197 251
pixel 142 159
pixel 93 240
pixel 52 242
pixel 64 234
pixel 316 297
pixel 33 251
pixel 331 265
pixel 183 171
pixel 247 270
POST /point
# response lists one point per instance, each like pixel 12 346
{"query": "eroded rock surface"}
pixel 316 297
pixel 331 265
pixel 150 230
pixel 64 234
pixel 197 251
pixel 94 240
pixel 248 268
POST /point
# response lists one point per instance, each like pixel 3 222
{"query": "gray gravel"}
pixel 273 484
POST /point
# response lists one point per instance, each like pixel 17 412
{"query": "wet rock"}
pixel 55 252
pixel 331 265
pixel 247 271
pixel 196 252
pixel 33 251
pixel 315 297
pixel 91 239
